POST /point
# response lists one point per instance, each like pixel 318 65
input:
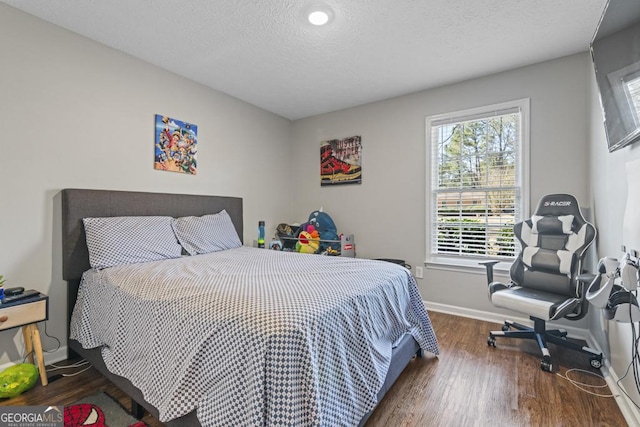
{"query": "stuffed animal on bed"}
pixel 308 240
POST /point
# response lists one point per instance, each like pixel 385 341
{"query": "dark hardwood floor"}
pixel 469 384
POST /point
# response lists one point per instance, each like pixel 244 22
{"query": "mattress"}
pixel 250 336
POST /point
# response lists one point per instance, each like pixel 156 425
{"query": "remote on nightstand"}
pixel 25 294
pixel 13 291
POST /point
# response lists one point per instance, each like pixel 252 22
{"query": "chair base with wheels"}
pixel 540 334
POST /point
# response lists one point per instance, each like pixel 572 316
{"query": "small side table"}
pixel 26 313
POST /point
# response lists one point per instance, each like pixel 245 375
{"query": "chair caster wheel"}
pixel 505 328
pixel 546 366
pixel 491 341
pixel 596 362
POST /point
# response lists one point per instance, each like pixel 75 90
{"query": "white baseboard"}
pixel 629 410
pixel 627 407
pixel 49 358
pixel 486 316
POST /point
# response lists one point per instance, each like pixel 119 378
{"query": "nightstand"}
pixel 26 313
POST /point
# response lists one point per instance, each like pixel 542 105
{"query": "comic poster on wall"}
pixel 176 145
pixel 341 161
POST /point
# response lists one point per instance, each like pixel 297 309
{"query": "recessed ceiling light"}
pixel 318 17
pixel 319 14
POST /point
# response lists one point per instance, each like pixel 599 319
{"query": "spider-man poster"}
pixel 341 161
pixel 176 145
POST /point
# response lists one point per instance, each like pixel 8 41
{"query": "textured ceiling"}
pixel 266 53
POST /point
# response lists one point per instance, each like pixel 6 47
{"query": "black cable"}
pixel 31 353
pixel 52 337
pixel 635 357
pixel 636 354
pixel 633 348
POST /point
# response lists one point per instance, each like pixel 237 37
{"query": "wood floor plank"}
pixel 469 384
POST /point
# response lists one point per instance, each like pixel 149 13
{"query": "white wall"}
pixel 76 114
pixel 387 211
pixel 609 188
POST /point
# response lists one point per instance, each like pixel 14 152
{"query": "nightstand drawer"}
pixel 23 314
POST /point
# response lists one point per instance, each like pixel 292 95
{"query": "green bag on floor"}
pixel 17 379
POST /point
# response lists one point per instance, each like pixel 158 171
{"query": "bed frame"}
pixel 78 204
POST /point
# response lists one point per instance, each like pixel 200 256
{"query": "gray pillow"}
pixel 130 239
pixel 207 233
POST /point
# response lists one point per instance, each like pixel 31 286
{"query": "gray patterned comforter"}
pixel 253 337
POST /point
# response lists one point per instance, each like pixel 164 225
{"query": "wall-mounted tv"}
pixel 615 50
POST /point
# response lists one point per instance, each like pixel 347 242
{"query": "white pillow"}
pixel 130 239
pixel 207 233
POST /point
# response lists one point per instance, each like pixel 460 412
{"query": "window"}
pixel 479 159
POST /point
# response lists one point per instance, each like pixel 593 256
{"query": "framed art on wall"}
pixel 341 161
pixel 176 145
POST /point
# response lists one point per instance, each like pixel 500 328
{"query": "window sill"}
pixel 465 265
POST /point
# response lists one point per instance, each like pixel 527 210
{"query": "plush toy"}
pixel 326 228
pixel 17 379
pixel 308 240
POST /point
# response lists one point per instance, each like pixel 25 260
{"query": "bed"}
pixel 241 356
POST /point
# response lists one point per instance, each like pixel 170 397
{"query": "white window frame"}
pixel 456 262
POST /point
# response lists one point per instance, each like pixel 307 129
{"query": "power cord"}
pixel 582 386
pixel 46 333
pixel 53 338
pixel 78 364
pixel 635 361
pixel 52 367
pixel 31 353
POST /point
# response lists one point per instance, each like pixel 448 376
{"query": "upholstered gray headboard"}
pixel 78 204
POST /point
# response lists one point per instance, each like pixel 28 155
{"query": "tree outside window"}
pixel 477 166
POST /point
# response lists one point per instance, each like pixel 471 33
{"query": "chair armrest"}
pixel 584 280
pixel 489 266
pixel 586 277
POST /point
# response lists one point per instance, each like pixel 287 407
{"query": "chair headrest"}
pixel 559 205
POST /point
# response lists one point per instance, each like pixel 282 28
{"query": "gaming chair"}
pixel 546 282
